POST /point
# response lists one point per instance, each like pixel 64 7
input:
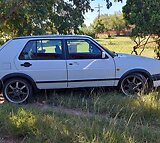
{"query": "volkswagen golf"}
pixel 70 61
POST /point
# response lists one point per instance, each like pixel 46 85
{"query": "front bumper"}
pixel 156 77
pixel 156 80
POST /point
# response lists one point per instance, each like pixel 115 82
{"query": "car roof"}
pixel 53 36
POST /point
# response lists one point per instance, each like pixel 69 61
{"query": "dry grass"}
pixel 128 120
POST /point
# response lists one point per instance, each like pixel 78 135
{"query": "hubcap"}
pixel 17 91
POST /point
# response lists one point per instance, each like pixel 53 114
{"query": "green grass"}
pixel 97 101
pixel 120 119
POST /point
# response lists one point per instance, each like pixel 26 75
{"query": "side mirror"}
pixel 103 55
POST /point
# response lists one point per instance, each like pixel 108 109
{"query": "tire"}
pixel 17 90
pixel 134 84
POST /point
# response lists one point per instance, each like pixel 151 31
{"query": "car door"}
pixel 86 66
pixel 43 60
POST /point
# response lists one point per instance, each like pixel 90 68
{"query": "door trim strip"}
pixel 87 80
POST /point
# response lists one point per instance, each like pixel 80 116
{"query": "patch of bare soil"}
pixel 59 109
pixel 73 112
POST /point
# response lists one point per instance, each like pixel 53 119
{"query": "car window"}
pixel 42 50
pixel 83 49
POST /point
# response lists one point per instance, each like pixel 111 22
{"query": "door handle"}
pixel 74 63
pixel 26 64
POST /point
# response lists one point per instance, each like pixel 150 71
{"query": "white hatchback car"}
pixel 50 62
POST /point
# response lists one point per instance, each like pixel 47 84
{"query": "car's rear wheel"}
pixel 134 84
pixel 17 90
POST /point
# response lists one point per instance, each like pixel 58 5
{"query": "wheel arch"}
pixel 19 75
pixel 144 72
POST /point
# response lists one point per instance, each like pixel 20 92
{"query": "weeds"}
pixel 129 119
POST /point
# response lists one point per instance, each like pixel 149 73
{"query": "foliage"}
pixel 37 17
pixel 28 17
pixel 118 22
pixel 143 15
pixel 99 26
pixel 90 31
pixel 144 19
pixel 109 22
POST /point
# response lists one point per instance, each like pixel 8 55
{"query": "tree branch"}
pixel 144 45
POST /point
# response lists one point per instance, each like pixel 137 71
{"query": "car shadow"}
pixel 43 96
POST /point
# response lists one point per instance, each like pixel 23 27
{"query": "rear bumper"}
pixel 1 86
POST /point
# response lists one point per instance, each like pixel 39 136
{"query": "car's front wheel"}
pixel 134 84
pixel 17 90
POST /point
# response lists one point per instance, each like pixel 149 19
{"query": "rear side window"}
pixel 42 50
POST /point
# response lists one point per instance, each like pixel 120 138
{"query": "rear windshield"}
pixel 1 45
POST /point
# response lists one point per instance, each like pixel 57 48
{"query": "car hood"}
pixel 130 57
pixel 122 55
pixel 127 62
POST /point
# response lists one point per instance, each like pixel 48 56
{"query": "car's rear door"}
pixel 86 66
pixel 43 60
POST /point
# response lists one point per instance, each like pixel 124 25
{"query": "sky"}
pixel 90 16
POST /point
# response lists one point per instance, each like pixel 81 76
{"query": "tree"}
pixel 109 22
pixel 90 31
pixel 99 25
pixel 13 5
pixel 102 23
pixel 144 18
pixel 27 17
pixel 117 22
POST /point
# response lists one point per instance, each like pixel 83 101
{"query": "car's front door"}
pixel 86 65
pixel 43 60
